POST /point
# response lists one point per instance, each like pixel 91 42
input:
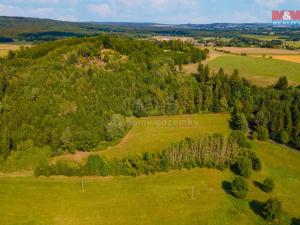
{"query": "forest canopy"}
pixel 76 93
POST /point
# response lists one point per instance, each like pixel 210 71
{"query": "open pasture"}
pixel 155 133
pixel 178 197
pixel 260 51
pixel 259 70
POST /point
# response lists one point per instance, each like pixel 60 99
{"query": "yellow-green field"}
pixel 260 51
pixel 290 58
pixel 262 37
pixel 4 49
pixel 295 44
pixel 259 70
pixel 164 198
pixel 156 133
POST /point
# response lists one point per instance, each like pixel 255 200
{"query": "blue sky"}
pixel 161 11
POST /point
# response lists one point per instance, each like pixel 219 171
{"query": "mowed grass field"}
pixel 290 58
pixel 5 48
pixel 260 51
pixel 259 70
pixel 163 198
pixel 155 133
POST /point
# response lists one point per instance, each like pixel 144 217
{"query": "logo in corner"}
pixel 286 18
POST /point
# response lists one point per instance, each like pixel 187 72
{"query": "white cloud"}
pixel 104 10
pixel 270 4
pixel 73 2
pixel 8 10
pixel 68 18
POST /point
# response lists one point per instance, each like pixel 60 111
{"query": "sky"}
pixel 157 11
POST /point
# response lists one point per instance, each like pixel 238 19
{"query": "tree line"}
pixel 212 151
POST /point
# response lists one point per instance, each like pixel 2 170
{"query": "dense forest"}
pixel 74 94
pixel 64 93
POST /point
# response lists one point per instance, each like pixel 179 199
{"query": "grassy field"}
pixel 262 37
pixel 156 133
pixel 5 48
pixel 193 67
pixel 164 198
pixel 295 44
pixel 262 71
pixel 260 51
pixel 290 58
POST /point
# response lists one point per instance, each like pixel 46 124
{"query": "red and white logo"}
pixel 286 15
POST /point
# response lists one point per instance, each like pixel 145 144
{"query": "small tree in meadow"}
pixel 272 210
pixel 243 166
pixel 256 163
pixel 268 185
pixel 239 187
pixel 282 83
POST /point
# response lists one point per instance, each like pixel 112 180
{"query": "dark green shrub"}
pixel 282 83
pixel 42 170
pixel 240 137
pixel 239 187
pixel 66 168
pixel 243 166
pixel 256 164
pixel 116 127
pixel 268 185
pixel 96 166
pixel 254 135
pixel 284 137
pixel 262 134
pixel 85 141
pixel 272 210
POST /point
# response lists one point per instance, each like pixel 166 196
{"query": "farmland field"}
pixel 262 37
pixel 260 51
pixel 261 71
pixel 4 49
pixel 156 133
pixel 164 198
pixel 290 58
pixel 295 44
pixel 193 67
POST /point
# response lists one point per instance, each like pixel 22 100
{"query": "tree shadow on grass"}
pixel 226 186
pixel 256 207
pixel 295 221
pixel 259 185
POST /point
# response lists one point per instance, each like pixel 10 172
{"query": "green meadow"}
pixel 158 132
pixel 194 196
pixel 177 197
pixel 261 71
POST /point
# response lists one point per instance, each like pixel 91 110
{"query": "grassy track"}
pixel 262 71
pixel 157 199
pixel 156 133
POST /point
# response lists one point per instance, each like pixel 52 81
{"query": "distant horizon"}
pixel 155 11
pixel 133 22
